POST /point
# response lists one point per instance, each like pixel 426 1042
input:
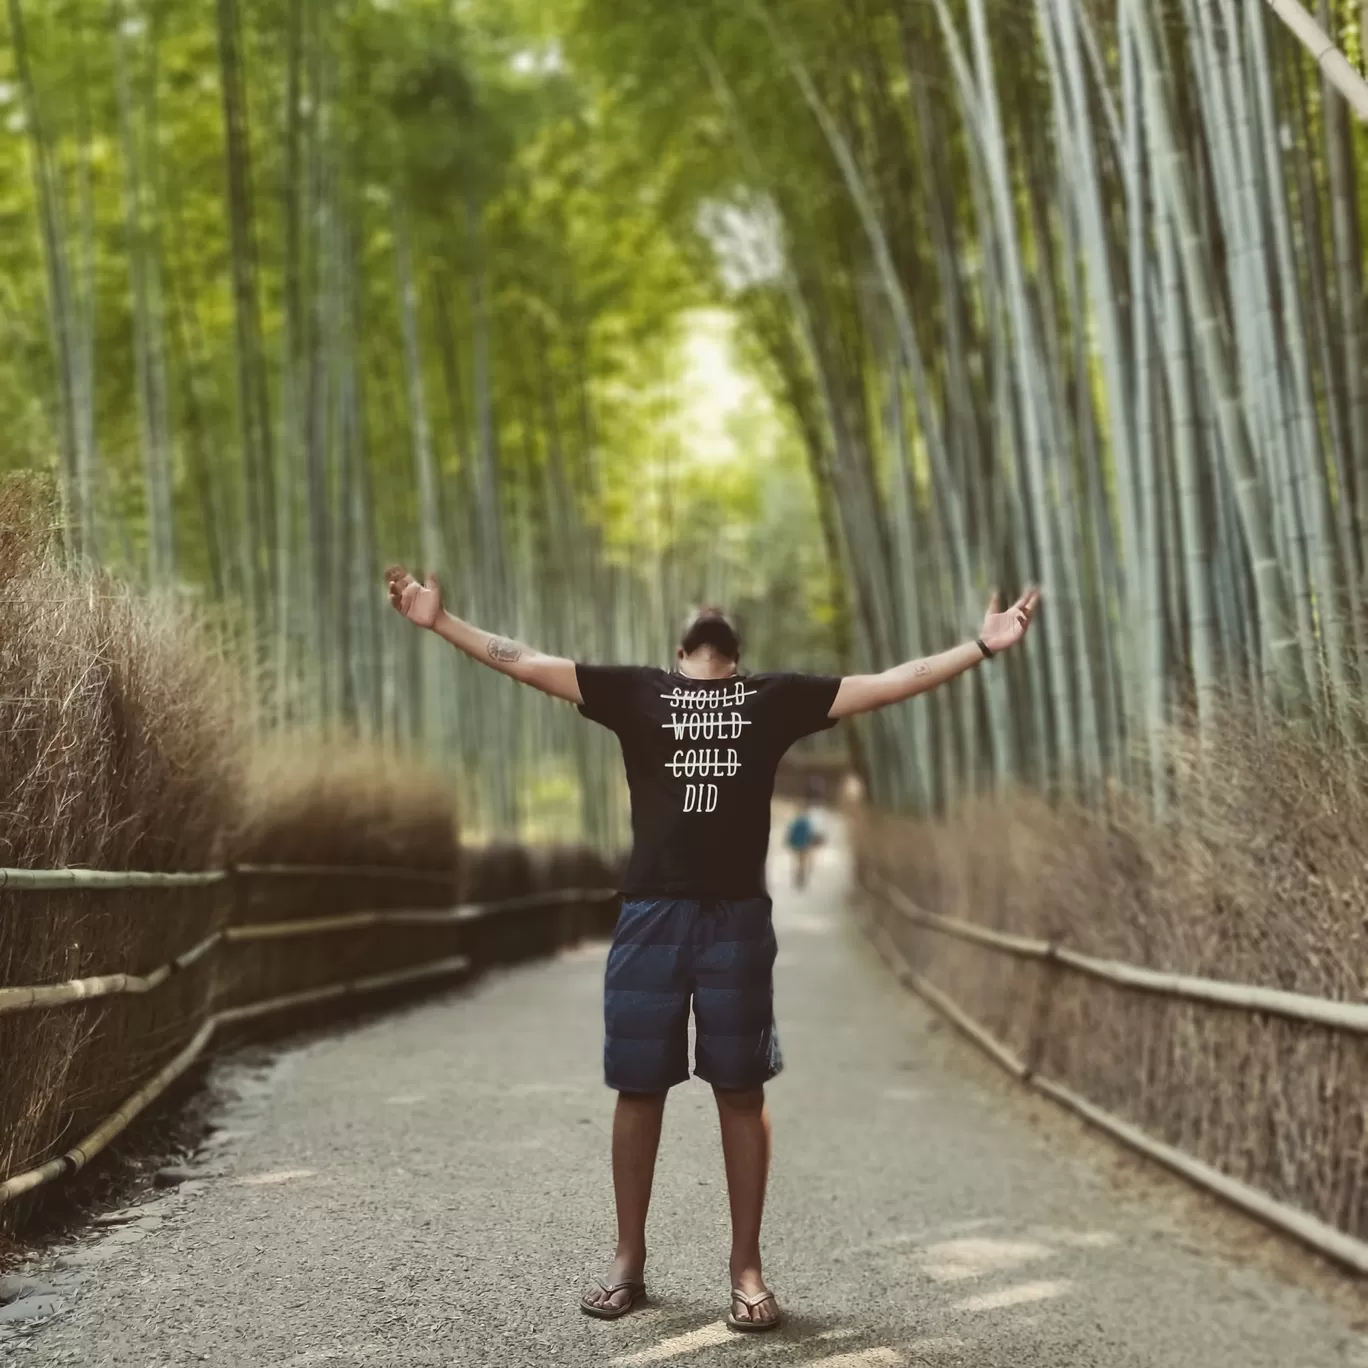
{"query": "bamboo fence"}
pixel 1319 1235
pixel 20 998
pixel 1344 1016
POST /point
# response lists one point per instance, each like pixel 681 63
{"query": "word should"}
pixel 733 696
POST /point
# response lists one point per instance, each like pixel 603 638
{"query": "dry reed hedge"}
pixel 1260 875
pixel 309 803
pixel 495 871
pixel 499 871
pixel 122 751
pixel 353 804
pixel 119 752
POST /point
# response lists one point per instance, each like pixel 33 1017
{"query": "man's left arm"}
pixel 1001 631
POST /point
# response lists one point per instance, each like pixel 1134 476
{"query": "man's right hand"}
pixel 420 603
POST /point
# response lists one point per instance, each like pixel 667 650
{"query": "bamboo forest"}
pixel 840 314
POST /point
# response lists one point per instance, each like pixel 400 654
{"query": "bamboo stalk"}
pixel 1335 66
pixel 1285 667
pixel 1344 1016
pixel 67 338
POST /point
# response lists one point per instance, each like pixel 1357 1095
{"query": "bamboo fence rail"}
pixel 31 997
pixel 23 998
pixel 118 878
pixel 1316 1234
pixel 80 1154
pixel 106 878
pixel 42 996
pixel 346 871
pixel 1343 1016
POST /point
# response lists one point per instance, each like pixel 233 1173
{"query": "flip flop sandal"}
pixel 753 1327
pixel 636 1292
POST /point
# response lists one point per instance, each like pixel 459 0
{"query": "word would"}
pixel 706 726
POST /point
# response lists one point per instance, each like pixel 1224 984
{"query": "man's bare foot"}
pixel 625 1269
pixel 757 1305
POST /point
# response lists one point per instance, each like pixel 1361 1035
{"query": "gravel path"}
pixel 432 1188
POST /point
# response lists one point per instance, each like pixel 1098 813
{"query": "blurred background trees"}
pixel 295 289
pixel 839 314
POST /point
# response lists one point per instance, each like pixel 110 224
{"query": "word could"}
pixel 704 763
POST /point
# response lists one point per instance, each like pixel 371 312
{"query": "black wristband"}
pixel 983 646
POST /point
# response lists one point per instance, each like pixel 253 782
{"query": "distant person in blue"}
pixel 701 742
pixel 803 837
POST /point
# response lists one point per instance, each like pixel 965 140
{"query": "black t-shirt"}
pixel 701 756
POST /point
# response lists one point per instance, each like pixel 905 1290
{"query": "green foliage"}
pixel 225 318
pixel 1069 291
pixel 1061 290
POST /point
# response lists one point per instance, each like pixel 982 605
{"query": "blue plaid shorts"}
pixel 719 953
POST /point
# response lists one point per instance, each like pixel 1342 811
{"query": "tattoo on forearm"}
pixel 503 650
pixel 921 667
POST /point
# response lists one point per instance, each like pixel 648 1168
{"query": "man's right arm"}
pixel 422 605
pixel 553 675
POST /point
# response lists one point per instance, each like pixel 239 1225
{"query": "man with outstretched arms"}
pixel 701 743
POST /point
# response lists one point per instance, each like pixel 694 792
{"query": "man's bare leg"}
pixel 746 1153
pixel 636 1138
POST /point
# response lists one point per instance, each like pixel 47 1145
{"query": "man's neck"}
pixel 706 664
